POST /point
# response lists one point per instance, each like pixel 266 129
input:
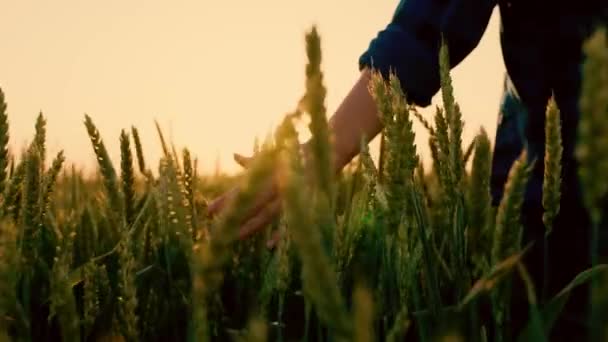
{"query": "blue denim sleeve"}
pixel 409 45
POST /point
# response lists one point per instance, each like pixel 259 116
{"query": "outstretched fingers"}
pixel 262 218
pixel 221 202
pixel 266 205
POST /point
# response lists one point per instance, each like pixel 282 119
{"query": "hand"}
pixel 355 118
pixel 267 205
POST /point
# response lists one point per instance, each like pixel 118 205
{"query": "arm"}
pixel 410 47
pixel 355 118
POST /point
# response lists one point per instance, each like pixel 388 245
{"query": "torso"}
pixel 541 42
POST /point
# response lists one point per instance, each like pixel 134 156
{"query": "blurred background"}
pixel 214 74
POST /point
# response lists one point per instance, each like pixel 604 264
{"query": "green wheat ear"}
pixel 442 147
pixel 451 155
pixel 313 102
pixel 400 149
pixel 105 166
pixel 553 169
pixel 453 117
pixel 407 138
pixel 127 178
pixel 479 196
pixel 40 137
pixel 507 234
pixel 592 154
pixel 4 137
pixel 451 163
pixel 141 162
pixel 176 204
pixel 50 179
pixel 592 148
pixel 30 196
pixel 318 277
pixel 189 180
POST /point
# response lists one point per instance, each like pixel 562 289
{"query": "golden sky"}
pixel 214 73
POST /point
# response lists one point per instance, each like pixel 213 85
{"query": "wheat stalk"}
pixel 4 137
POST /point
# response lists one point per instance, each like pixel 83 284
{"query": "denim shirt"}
pixel 541 44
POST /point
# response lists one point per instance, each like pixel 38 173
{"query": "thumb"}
pixel 242 160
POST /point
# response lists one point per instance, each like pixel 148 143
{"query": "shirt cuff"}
pixel 415 64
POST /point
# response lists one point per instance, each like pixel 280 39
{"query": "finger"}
pixel 261 219
pixel 243 161
pixel 219 203
pixel 265 196
pixel 274 239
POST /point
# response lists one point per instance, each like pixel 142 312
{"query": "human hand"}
pixel 266 206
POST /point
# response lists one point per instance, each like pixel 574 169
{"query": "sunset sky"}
pixel 214 73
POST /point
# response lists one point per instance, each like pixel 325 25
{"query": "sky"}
pixel 214 73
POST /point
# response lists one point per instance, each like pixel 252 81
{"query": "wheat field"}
pixel 383 251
